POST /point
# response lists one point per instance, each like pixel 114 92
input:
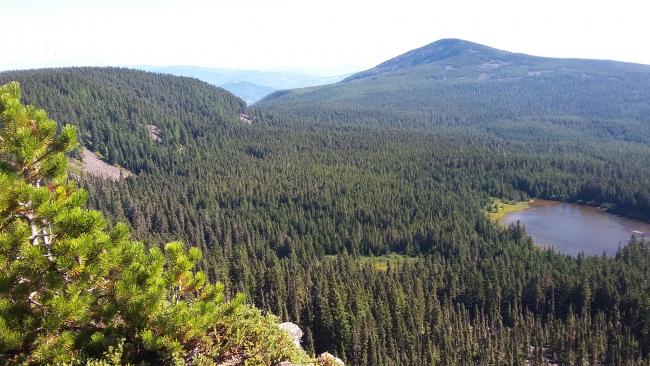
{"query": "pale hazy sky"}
pixel 331 36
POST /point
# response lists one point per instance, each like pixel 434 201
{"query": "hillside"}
pixel 116 110
pixel 460 83
pixel 372 237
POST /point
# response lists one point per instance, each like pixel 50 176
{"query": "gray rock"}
pixel 327 359
pixel 293 330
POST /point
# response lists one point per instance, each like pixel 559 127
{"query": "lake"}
pixel 572 228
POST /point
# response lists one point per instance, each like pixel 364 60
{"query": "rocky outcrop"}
pixel 294 331
pixel 325 359
pixel 91 164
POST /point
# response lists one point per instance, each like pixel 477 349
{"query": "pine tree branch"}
pixel 40 236
pixel 30 298
pixel 49 150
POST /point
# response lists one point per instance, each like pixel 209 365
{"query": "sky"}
pixel 327 37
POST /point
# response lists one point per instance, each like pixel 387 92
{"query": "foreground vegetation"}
pixel 292 214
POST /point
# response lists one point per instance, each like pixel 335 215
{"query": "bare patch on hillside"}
pixel 493 64
pixel 93 165
pixel 154 133
pixel 246 118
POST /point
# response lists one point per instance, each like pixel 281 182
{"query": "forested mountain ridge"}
pixel 116 109
pixel 375 240
pixel 455 54
pixel 459 83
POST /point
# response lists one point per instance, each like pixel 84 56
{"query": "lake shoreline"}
pixel 605 207
pixel 507 207
pixel 572 228
pixel 612 210
pixel 504 208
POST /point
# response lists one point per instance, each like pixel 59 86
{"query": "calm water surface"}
pixel 572 228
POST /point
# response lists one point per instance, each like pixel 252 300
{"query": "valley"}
pixel 357 209
pixel 249 85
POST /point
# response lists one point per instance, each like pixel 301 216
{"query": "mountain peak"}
pixel 433 52
pixel 445 47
